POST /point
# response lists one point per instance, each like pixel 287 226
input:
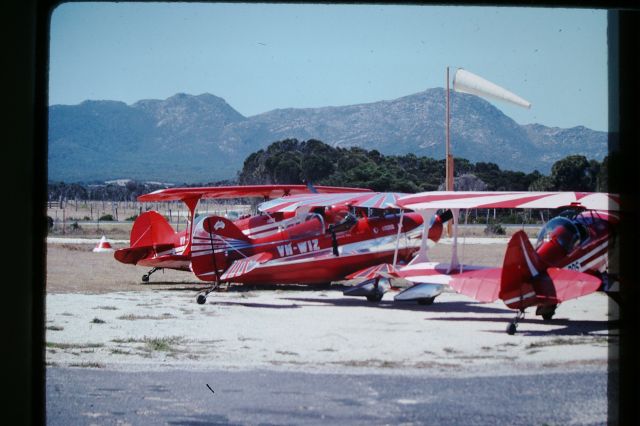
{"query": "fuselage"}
pixel 579 243
pixel 307 249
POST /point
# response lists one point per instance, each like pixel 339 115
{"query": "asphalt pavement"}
pixel 102 396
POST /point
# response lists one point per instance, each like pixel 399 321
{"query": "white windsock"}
pixel 466 82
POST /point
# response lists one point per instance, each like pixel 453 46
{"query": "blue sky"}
pixel 259 57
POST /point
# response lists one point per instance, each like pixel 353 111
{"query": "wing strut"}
pixel 213 251
pixel 426 218
pixel 395 253
pixel 191 205
pixel 454 247
pixel 464 238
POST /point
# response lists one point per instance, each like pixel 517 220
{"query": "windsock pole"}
pixel 448 179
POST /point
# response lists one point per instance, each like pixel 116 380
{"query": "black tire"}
pixel 201 299
pixel 511 329
pixel 375 298
pixel 426 301
pixel 145 278
pixel 547 317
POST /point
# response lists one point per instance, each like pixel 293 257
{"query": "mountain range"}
pixel 189 138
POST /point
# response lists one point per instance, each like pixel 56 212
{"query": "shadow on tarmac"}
pixel 570 327
pixel 471 307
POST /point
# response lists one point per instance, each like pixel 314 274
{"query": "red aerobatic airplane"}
pixel 329 237
pixel 155 244
pixel 570 258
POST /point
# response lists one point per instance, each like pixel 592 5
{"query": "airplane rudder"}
pixel 150 228
pixel 223 227
pixel 521 262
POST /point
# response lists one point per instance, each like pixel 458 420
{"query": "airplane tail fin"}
pixel 150 228
pixel 150 232
pixel 521 263
pixel 213 238
pixel 526 276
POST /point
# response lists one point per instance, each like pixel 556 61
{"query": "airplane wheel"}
pixel 376 298
pixel 145 278
pixel 426 301
pixel 201 299
pixel 511 329
pixel 547 317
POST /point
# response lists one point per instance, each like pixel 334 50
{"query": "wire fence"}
pixel 73 216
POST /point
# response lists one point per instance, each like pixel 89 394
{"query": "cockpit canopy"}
pixel 565 232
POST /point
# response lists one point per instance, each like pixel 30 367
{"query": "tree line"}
pixel 295 162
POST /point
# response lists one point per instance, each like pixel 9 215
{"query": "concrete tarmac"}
pixel 97 396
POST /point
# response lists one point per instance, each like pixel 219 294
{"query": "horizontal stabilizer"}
pixel 569 284
pixel 419 291
pixel 133 255
pixel 482 285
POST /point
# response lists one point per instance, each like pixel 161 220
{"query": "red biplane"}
pixel 570 258
pixel 155 244
pixel 328 238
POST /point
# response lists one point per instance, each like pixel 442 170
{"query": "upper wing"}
pixel 267 191
pixel 292 203
pixel 509 200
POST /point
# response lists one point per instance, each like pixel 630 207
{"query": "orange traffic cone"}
pixel 103 245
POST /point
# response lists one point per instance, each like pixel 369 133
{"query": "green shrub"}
pixel 106 217
pixel 494 229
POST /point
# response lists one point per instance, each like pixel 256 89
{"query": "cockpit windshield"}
pixel 563 230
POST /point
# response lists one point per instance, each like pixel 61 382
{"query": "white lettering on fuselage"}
pixel 307 246
pixel 285 250
pixel 302 247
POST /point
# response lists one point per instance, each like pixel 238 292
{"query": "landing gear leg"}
pixel 377 296
pixel 547 312
pixel 202 297
pixel 426 301
pixel 513 325
pixel 145 277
